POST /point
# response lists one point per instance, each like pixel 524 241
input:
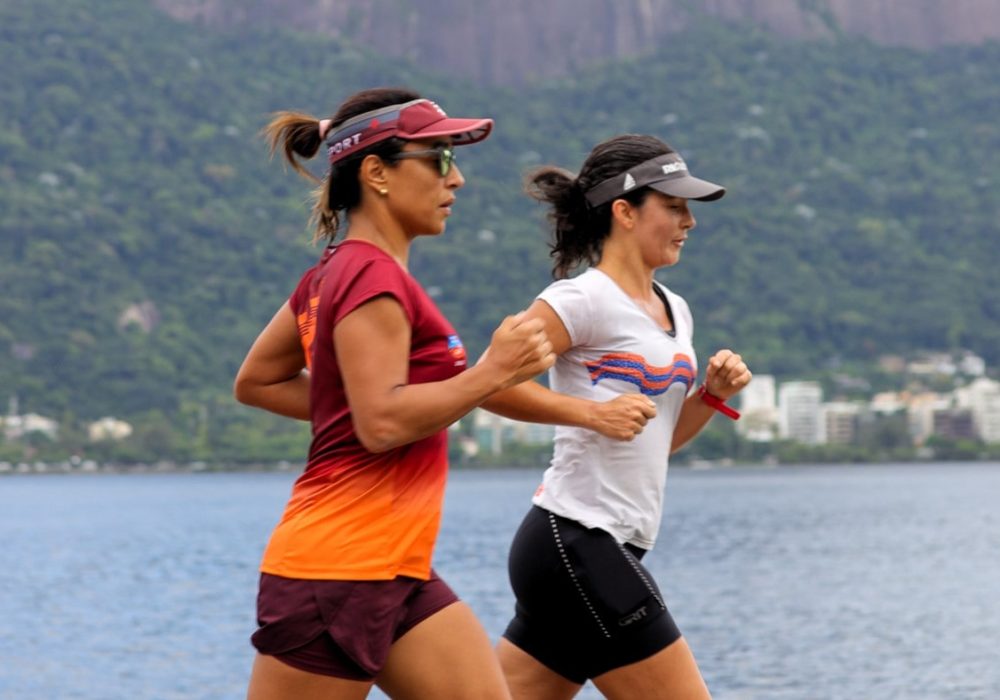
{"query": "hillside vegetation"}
pixel 145 238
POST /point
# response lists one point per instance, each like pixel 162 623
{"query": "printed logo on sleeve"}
pixel 306 322
pixel 456 349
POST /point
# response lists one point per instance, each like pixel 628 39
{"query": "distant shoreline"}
pixel 65 468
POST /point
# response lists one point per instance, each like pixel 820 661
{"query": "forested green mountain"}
pixel 145 238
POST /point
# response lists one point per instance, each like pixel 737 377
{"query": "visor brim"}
pixel 688 187
pixel 462 131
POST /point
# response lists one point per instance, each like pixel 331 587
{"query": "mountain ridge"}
pixel 518 41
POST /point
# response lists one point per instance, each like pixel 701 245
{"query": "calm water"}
pixel 862 582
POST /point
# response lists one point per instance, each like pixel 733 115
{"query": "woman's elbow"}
pixel 243 389
pixel 377 435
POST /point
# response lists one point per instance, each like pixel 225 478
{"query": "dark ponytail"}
pixel 579 230
pixel 569 216
pixel 299 138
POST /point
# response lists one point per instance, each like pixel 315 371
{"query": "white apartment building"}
pixel 108 429
pixel 759 409
pixel 799 412
pixel 982 397
pixel 16 427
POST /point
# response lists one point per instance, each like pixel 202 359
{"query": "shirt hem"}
pixel 348 574
pixel 639 542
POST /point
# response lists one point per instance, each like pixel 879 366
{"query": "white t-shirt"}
pixel 617 348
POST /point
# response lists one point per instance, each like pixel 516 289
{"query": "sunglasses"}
pixel 444 154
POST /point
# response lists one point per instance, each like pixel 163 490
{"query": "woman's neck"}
pixel 624 265
pixel 382 231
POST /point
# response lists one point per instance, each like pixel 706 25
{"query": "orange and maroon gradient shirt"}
pixel 353 514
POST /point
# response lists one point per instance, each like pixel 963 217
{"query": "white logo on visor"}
pixel 629 181
pixel 674 167
pixel 344 144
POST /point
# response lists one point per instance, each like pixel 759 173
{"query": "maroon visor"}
pixel 418 119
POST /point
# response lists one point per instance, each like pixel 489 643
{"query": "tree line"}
pixel 145 238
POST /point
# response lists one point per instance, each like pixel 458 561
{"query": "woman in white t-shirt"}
pixel 586 607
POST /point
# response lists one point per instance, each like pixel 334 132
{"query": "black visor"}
pixel 667 173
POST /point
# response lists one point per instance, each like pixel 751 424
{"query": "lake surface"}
pixel 790 583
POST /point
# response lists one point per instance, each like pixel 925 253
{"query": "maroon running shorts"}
pixel 342 628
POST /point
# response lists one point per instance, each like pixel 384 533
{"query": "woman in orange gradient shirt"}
pixel 347 596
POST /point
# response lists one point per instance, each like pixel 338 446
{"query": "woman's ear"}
pixel 623 212
pixel 373 173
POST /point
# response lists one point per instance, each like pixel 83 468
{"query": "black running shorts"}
pixel 585 603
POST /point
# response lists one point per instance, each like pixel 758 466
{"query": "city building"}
pixel 108 429
pixel 841 422
pixel 955 424
pixel 799 413
pixel 972 365
pixel 16 426
pixel 888 402
pixel 493 433
pixel 982 398
pixel 759 409
pixel 933 364
pixel 920 410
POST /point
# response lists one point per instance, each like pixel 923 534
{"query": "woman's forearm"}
pixel 287 398
pixel 695 415
pixel 533 403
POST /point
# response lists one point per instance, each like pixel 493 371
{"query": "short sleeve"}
pixel 570 301
pixel 374 278
pixel 299 299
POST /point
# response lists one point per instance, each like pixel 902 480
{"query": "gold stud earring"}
pixel 383 191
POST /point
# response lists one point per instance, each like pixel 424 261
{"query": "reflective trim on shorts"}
pixel 572 575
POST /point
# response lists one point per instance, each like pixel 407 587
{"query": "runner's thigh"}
pixel 447 656
pixel 671 674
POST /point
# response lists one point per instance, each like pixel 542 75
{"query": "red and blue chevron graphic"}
pixel 633 368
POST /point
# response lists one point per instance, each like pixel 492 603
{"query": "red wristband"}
pixel 717 403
